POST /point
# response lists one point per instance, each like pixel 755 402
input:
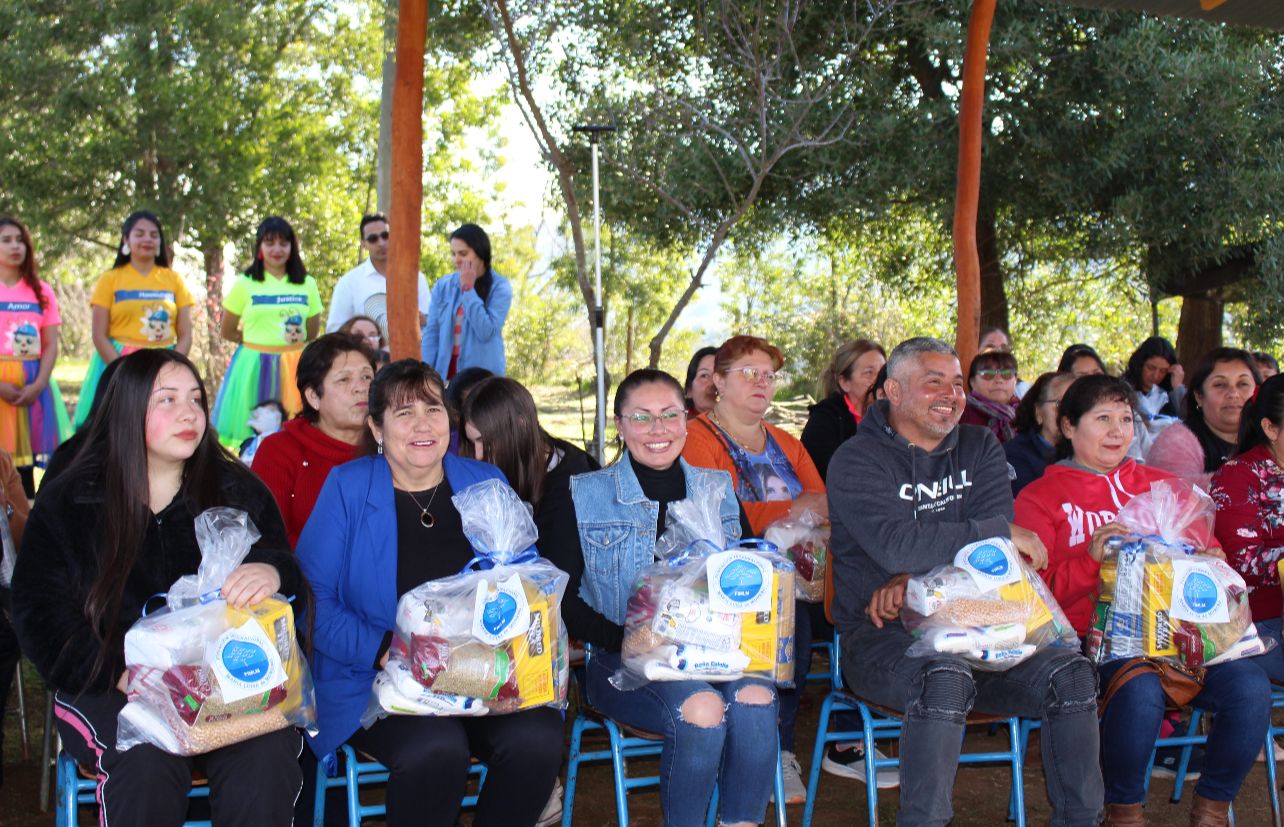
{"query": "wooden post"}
pixel 967 261
pixel 406 204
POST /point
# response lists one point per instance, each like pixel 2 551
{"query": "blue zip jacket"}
pixel 348 552
pixel 481 343
pixel 617 530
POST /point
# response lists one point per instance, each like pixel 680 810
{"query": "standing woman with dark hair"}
pixel 1221 384
pixel 333 381
pixel 139 303
pixel 114 530
pixel 501 426
pixel 468 309
pixel 33 418
pixel 272 311
pixel 844 389
pixel 1249 492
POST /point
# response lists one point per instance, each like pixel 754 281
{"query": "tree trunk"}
pixel 383 164
pixel 628 343
pixel 1200 328
pixel 994 297
pixel 215 358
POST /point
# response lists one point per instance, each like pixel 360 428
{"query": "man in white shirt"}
pixel 363 290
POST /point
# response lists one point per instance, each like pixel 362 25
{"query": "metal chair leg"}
pixel 50 747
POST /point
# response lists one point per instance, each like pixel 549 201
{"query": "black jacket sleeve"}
pixel 559 541
pixel 49 593
pixel 821 438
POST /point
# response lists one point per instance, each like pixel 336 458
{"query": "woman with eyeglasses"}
pixel 720 733
pixel 1037 433
pixel 991 399
pixel 368 331
pixel 735 438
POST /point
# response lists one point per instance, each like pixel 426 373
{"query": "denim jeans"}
pixel 1237 692
pixel 739 754
pixel 1272 663
pixel 1057 686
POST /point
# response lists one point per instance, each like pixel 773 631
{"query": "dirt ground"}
pixel 980 793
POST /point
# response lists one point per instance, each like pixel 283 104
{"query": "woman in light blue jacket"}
pixel 722 732
pixel 468 309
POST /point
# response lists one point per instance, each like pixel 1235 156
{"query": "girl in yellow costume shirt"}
pixel 277 308
pixel 139 303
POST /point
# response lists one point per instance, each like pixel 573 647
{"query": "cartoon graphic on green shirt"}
pixel 293 329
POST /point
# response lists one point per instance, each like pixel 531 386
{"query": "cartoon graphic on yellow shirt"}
pixel 293 327
pixel 24 340
pixel 157 325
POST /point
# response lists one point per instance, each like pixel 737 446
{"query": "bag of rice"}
pixel 705 611
pixel 488 640
pixel 204 674
pixel 988 606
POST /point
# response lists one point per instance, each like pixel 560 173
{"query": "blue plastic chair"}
pixel 619 749
pixel 880 724
pixel 358 772
pixel 75 790
pixel 1273 731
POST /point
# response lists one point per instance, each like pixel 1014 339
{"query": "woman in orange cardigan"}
pixel 774 477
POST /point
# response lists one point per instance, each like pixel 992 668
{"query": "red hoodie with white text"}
pixel 1064 507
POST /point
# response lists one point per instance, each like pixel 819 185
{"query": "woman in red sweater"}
pixel 1249 492
pixel 333 376
pixel 1072 508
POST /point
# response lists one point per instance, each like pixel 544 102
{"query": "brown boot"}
pixel 1204 812
pixel 1124 815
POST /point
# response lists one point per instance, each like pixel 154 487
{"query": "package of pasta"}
pixel 705 610
pixel 204 674
pixel 488 640
pixel 989 606
pixel 804 541
pixel 1161 596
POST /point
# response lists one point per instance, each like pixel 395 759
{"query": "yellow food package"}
pixel 533 654
pixel 1024 594
pixel 276 618
pixel 768 637
pixel 1156 627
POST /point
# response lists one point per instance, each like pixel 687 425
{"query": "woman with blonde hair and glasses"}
pixel 773 476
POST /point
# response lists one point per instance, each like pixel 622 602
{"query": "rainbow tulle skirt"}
pixel 32 433
pixel 253 377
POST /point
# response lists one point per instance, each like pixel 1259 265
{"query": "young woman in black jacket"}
pixel 116 529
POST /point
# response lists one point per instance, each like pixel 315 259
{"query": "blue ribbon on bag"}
pixel 482 559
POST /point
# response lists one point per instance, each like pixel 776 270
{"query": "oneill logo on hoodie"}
pixel 935 496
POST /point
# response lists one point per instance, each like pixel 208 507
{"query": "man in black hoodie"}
pixel 906 493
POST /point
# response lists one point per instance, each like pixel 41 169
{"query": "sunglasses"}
pixel 373 237
pixel 996 373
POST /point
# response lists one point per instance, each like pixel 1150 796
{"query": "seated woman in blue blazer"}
pixel 385 523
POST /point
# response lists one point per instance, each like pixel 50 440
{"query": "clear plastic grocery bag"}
pixel 989 606
pixel 203 674
pixel 488 640
pixel 804 541
pixel 1161 596
pixel 677 627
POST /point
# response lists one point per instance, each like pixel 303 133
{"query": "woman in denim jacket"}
pixel 721 732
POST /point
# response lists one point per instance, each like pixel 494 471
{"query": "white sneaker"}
pixel 553 809
pixel 848 760
pixel 795 789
